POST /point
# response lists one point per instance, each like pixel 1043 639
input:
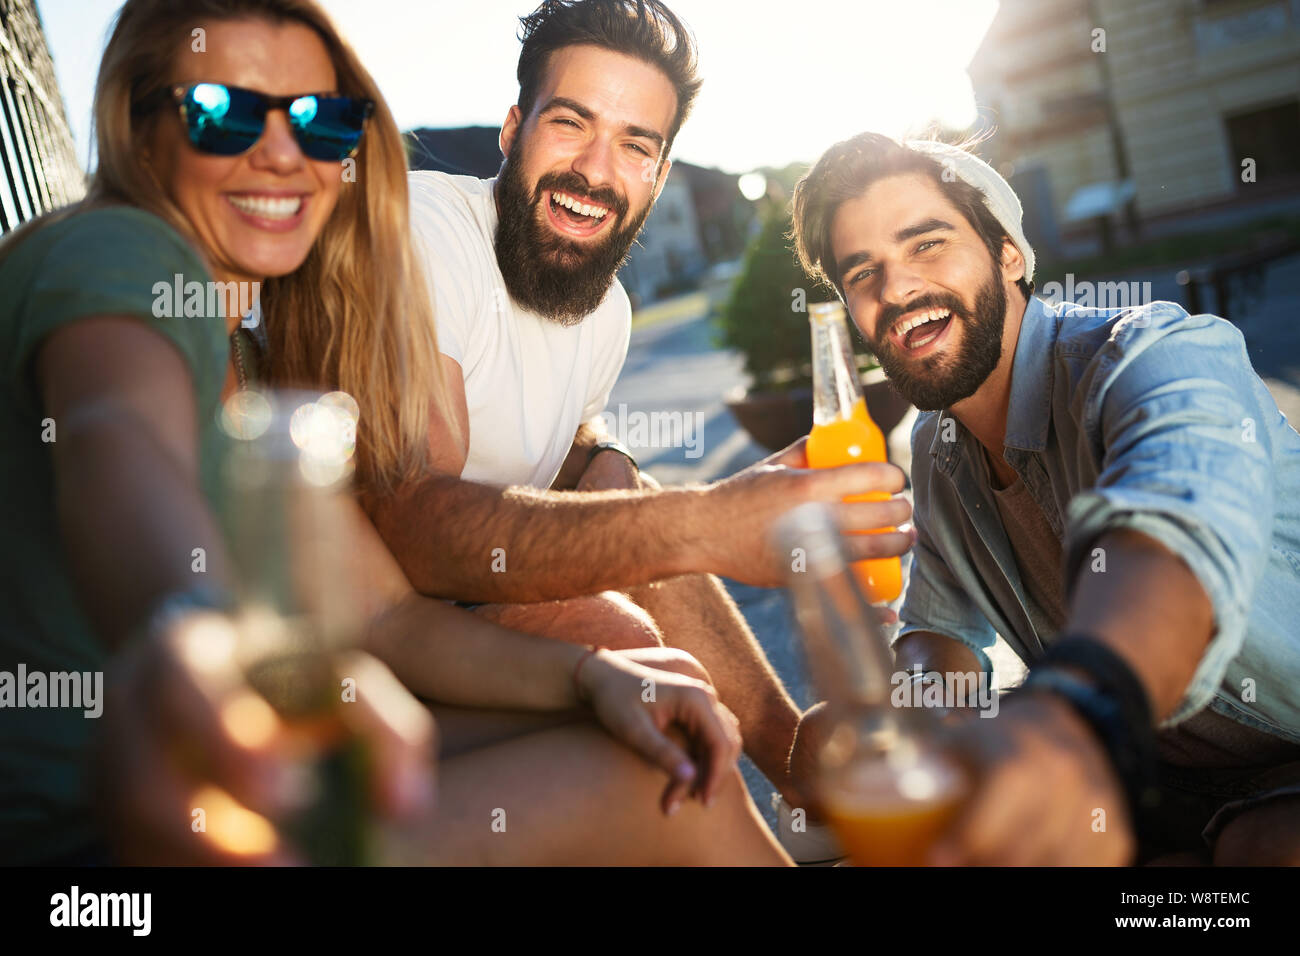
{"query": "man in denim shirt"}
pixel 1112 490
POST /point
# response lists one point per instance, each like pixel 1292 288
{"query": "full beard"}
pixel 943 379
pixel 555 276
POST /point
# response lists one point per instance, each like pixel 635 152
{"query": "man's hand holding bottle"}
pixel 739 512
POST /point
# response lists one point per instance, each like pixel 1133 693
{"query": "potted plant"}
pixel 766 320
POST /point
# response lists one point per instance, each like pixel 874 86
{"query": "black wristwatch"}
pixel 611 445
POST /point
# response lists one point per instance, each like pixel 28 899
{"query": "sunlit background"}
pixel 1155 148
pixel 783 79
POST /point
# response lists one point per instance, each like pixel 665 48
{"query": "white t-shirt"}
pixel 529 381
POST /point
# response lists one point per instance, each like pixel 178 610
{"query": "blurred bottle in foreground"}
pixel 885 785
pixel 285 477
pixel 843 431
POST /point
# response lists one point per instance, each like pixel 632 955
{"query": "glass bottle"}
pixel 885 785
pixel 286 472
pixel 843 431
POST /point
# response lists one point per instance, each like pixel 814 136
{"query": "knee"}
pixel 679 662
pixel 609 619
pixel 614 621
pixel 1266 836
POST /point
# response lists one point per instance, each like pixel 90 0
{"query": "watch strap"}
pixel 611 445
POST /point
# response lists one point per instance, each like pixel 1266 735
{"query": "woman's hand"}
pixel 638 695
pixel 183 732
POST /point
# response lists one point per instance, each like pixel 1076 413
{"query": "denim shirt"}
pixel 1147 419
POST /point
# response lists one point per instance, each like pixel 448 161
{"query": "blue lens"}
pixel 303 110
pixel 212 98
pixel 223 120
pixel 331 127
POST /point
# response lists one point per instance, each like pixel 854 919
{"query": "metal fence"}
pixel 38 161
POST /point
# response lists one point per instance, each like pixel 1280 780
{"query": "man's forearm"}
pixel 934 652
pixel 1149 608
pixel 476 542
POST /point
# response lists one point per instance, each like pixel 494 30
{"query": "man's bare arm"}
pixel 485 543
pixel 1148 607
pixel 477 542
pixel 929 651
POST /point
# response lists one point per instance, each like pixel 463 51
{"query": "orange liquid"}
pixel 844 442
pixel 878 826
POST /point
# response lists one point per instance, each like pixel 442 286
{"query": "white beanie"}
pixel 1001 200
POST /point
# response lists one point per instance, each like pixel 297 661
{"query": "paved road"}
pixel 675 369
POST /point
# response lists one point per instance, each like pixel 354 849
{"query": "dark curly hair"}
pixel 645 29
pixel 846 170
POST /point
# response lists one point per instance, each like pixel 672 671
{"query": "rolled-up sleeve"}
pixel 1183 424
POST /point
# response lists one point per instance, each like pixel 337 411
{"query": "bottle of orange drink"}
pixel 885 785
pixel 843 431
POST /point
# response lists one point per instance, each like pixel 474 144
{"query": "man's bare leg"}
pixel 696 614
pixel 609 619
pixel 693 613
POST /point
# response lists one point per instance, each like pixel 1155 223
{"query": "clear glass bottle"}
pixel 286 476
pixel 843 431
pixel 885 785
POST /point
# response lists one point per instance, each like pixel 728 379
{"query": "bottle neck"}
pixel 284 508
pixel 836 388
pixel 848 655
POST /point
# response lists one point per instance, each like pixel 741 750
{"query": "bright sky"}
pixel 783 79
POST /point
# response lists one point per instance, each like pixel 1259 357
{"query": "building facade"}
pixel 669 255
pixel 1175 109
pixel 38 162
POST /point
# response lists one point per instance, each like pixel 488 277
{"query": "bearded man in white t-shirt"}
pixel 534 330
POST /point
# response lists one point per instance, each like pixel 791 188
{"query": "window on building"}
pixel 1271 137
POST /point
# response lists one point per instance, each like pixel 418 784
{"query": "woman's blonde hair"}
pixel 357 315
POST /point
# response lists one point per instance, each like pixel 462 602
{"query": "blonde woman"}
pixel 240 143
pixel 222 129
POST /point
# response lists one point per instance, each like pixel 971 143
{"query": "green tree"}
pixel 760 318
pixel 766 318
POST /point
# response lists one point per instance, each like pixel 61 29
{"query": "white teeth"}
pixel 585 209
pixel 921 319
pixel 925 339
pixel 266 207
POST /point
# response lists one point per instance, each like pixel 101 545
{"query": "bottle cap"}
pixel 825 311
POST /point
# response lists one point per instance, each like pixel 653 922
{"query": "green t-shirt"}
pixel 100 262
